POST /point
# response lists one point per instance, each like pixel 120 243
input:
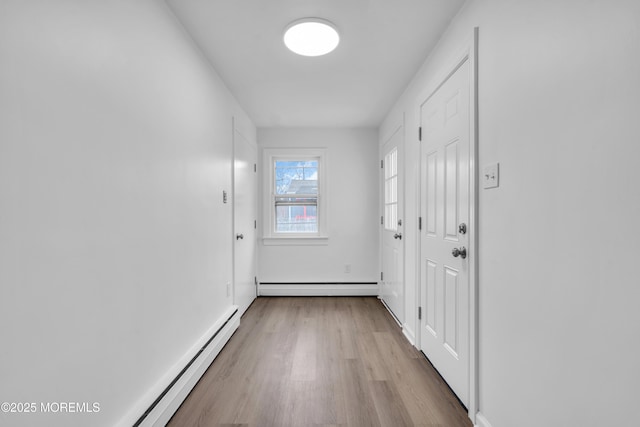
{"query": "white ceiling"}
pixel 383 43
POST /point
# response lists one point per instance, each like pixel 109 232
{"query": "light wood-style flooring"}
pixel 320 361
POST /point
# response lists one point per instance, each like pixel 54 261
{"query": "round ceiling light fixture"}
pixel 311 37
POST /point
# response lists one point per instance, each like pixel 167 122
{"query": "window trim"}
pixel 270 236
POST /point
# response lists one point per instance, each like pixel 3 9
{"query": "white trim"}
pixel 170 403
pixel 417 324
pixel 296 241
pixel 302 289
pixel 406 331
pixel 409 334
pixel 395 129
pixel 481 421
pixel 390 312
pixel 474 278
pixel 403 214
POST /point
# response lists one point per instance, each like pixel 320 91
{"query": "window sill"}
pixel 295 241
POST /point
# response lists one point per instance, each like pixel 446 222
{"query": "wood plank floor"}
pixel 320 361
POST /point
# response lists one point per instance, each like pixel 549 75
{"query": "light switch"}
pixel 491 176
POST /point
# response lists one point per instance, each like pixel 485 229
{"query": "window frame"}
pixel 270 235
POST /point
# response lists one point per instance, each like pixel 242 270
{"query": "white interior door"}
pixel 244 216
pixel 392 282
pixel 444 238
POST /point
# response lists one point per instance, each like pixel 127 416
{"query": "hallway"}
pixel 313 361
pixel 155 156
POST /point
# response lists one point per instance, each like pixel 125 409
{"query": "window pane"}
pixel 393 183
pixel 296 218
pixel 296 177
pixel 296 196
pixel 391 190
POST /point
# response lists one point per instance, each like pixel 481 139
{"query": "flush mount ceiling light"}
pixel 311 37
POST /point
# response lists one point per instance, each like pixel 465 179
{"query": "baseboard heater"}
pixel 183 371
pixel 318 288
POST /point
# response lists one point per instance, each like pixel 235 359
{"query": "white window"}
pixel 391 190
pixel 294 194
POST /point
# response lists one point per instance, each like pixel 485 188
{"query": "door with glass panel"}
pixel 392 280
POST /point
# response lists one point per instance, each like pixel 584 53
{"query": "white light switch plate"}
pixel 491 176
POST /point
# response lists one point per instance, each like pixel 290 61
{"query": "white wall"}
pixel 559 101
pixel 352 169
pixel 115 247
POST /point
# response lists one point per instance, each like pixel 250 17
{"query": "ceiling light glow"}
pixel 311 37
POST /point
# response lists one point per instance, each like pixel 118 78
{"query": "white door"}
pixel 392 281
pixel 444 238
pixel 244 217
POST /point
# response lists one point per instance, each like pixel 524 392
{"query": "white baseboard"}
pixel 162 412
pixel 406 331
pixel 390 312
pixel 330 289
pixel 409 335
pixel 481 421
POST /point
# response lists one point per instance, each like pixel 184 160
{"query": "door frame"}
pixel 468 53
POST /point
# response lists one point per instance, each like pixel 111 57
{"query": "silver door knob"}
pixel 459 252
pixel 397 236
pixel 239 236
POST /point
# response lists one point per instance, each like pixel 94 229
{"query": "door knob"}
pixel 459 252
pixel 397 236
pixel 239 236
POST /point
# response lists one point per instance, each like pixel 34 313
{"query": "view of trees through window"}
pixel 296 196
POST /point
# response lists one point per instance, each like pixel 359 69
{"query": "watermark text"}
pixel 50 407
